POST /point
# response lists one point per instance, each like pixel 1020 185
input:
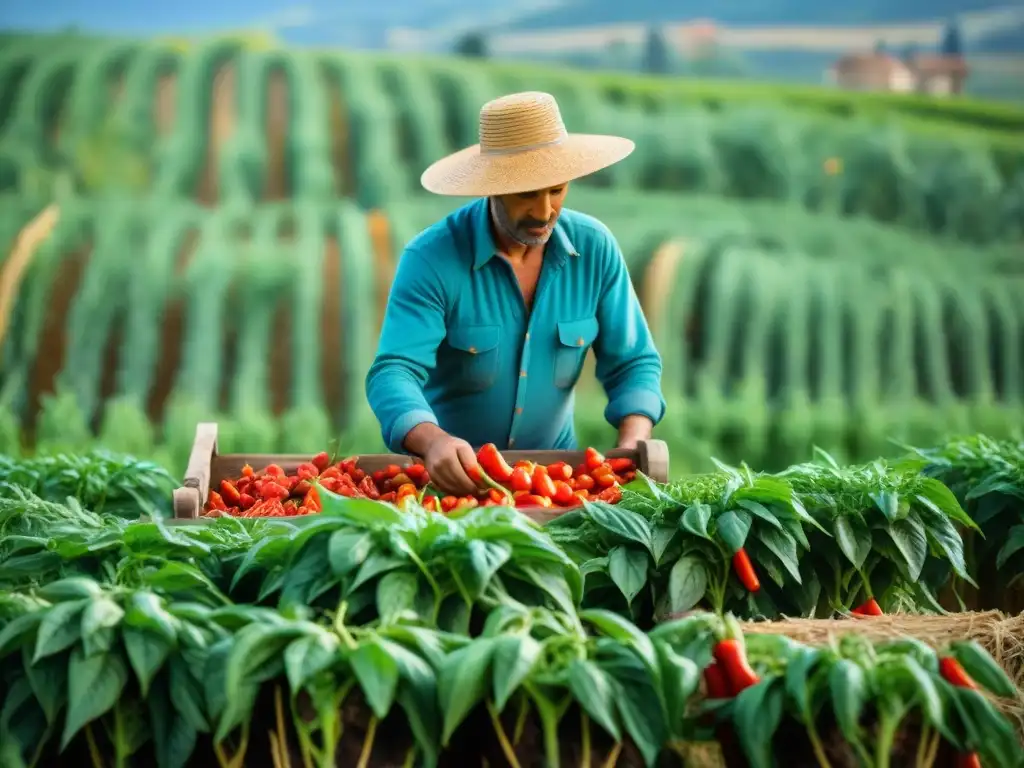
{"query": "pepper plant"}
pixel 987 477
pixel 854 703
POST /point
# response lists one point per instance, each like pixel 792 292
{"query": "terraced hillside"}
pixel 228 219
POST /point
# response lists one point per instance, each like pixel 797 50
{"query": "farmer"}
pixel 492 310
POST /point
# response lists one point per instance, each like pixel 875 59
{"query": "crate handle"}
pixel 653 455
pixel 197 475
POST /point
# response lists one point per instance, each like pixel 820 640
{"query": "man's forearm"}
pixel 632 429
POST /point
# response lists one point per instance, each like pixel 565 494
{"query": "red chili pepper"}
pixel 521 480
pixel 606 480
pixel 495 495
pixel 592 458
pixel 610 495
pixel 532 500
pixel 475 473
pixel 369 489
pixel 467 502
pixel 349 465
pixel 274 469
pixel 583 482
pixel 869 607
pixel 715 681
pixel 321 461
pixel 245 500
pixel 312 500
pixel 494 464
pixel 745 571
pixel 730 655
pixel 448 503
pixel 543 485
pixel 379 476
pixel 563 493
pixel 391 470
pixel 331 472
pixel 621 464
pixel 968 760
pixel 627 477
pixel 582 495
pixel 307 471
pixel 229 493
pixel 247 471
pixel 430 503
pixel 953 672
pixel 559 471
pixel 274 491
pixel 357 475
pixel 416 473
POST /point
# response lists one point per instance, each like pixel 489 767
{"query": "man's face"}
pixel 529 217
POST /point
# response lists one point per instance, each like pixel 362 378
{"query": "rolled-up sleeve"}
pixel 414 326
pixel 628 364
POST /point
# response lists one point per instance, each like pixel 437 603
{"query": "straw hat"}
pixel 523 146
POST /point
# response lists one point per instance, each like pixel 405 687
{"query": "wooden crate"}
pixel 206 467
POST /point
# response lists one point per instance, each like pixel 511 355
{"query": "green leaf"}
pixel 988 731
pixel 888 503
pixel 687 583
pixel 941 530
pixel 98 622
pixel 621 522
pixel 462 683
pixel 475 565
pixel 146 611
pixel 48 678
pixel 363 512
pixel 347 550
pixel 187 692
pixel 19 631
pixel 627 567
pixel 306 657
pixel 681 679
pixel 514 659
pixel 759 510
pixel 848 685
pixel 758 712
pixel 376 564
pixel 695 520
pixel 60 628
pixel 853 537
pixel 618 628
pixel 377 673
pixel 592 689
pixel 94 685
pixel 662 538
pixel 733 528
pixel 909 537
pixel 147 652
pixel 70 588
pixel 798 672
pixel 1014 544
pixel 977 662
pixel 396 595
pixel 642 716
pixel 783 546
pixel 939 495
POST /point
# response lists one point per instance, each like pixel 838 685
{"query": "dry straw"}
pixel 1001 635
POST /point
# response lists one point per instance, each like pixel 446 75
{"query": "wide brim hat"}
pixel 523 147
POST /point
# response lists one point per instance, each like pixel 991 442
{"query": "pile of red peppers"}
pixel 272 492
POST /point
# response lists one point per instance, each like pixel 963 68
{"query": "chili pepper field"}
pixel 626 632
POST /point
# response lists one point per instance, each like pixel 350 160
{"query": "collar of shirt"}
pixel 484 247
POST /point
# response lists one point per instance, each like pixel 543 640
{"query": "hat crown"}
pixel 520 122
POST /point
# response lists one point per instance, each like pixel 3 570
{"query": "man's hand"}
pixel 445 457
pixel 632 430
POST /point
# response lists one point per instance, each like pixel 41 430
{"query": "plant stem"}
pixel 933 750
pixel 371 733
pixel 282 734
pixel 524 711
pixel 506 747
pixel 886 734
pixel 410 757
pixel 119 755
pixel 817 746
pixel 94 750
pixel 613 756
pixel 585 730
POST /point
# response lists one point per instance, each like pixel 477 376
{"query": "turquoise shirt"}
pixel 459 349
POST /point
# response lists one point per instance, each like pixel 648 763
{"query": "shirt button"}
pixel 579 342
pixel 518 411
pixel 522 374
pixel 527 336
pixel 511 442
pixel 472 350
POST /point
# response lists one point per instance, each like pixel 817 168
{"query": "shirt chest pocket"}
pixel 475 354
pixel 574 339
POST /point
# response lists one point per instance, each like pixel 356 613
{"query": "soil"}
pixel 222 126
